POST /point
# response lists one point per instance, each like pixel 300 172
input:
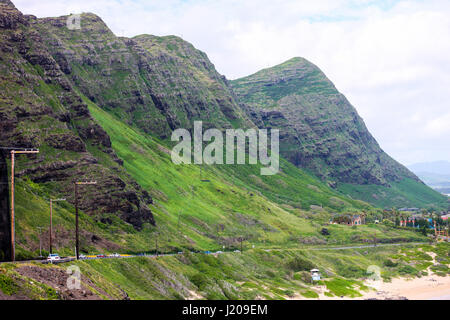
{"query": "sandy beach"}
pixel 426 288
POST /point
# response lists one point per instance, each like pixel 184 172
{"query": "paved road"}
pixel 370 246
pixel 69 259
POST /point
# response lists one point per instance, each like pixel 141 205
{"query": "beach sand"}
pixel 431 287
pixel 426 288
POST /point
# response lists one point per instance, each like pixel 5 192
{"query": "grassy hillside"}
pixel 236 202
pixel 406 191
pixel 286 210
pixel 253 274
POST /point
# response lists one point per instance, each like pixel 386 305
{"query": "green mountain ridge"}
pixel 101 107
pixel 322 132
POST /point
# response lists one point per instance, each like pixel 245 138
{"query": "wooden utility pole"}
pixel 77 238
pixel 156 244
pixel 51 224
pixel 13 224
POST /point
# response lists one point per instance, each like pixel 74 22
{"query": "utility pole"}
pixel 375 239
pixel 77 239
pixel 51 223
pixel 156 243
pixel 13 224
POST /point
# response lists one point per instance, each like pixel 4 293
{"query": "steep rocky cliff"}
pixel 40 108
pixel 320 129
pixel 155 83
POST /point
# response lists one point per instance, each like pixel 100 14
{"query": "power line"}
pixel 19 149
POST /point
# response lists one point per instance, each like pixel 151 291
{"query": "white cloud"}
pixel 390 58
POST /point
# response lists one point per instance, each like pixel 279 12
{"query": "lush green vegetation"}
pixel 286 210
pixel 137 91
pixel 256 273
pixel 399 193
pixel 283 209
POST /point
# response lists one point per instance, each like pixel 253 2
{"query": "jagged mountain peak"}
pixel 320 130
pixel 296 76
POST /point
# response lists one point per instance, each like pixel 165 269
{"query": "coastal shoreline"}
pixel 430 287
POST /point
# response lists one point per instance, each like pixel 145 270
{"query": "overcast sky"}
pixel 390 58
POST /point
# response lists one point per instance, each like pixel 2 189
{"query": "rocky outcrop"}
pixel 40 108
pixel 10 17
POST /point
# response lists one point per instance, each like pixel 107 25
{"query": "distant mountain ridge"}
pixel 436 174
pixel 437 167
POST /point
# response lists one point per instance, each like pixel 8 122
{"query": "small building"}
pixel 349 220
pixel 356 220
pixel 315 274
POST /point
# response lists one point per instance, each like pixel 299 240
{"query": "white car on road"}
pixel 114 255
pixel 53 257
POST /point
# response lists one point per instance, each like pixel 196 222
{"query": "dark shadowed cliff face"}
pixel 5 221
pixel 155 83
pixel 319 129
pixel 39 108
